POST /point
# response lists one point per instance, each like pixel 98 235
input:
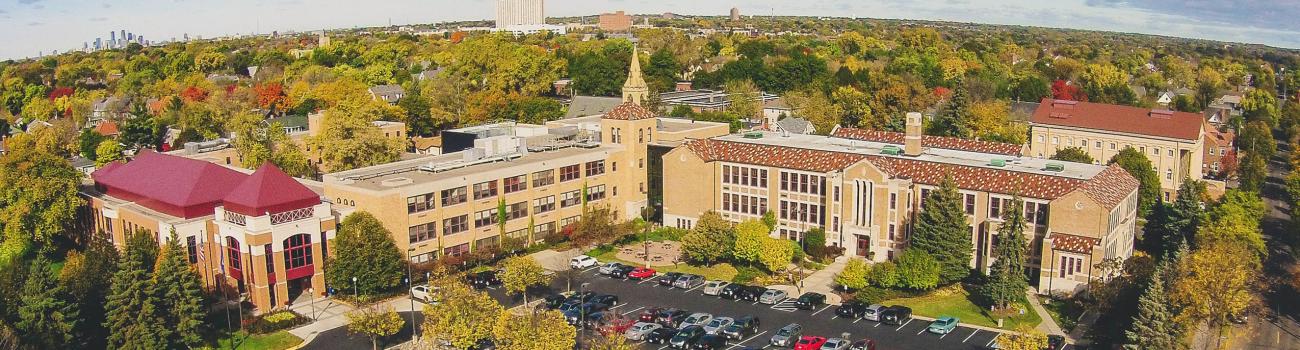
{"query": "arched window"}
pixel 234 259
pixel 297 251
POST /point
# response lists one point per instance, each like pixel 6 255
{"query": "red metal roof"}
pixel 269 190
pixel 1125 119
pixel 173 185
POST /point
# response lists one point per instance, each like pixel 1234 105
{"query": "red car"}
pixel 648 315
pixel 809 342
pixel 616 325
pixel 641 273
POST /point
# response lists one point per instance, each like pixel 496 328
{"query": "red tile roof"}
pixel 107 128
pixel 954 143
pixel 629 111
pixel 1125 119
pixel 269 190
pixel 173 185
pixel 775 156
pixel 1073 243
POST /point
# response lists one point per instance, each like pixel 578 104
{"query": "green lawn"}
pixel 273 341
pixel 724 272
pixel 955 301
pixel 1064 312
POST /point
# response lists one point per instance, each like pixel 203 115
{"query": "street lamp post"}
pixel 410 289
pixel 582 319
pixel 646 214
pixel 355 294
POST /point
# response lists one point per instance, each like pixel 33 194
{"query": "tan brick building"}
pixel 614 22
pixel 865 187
pixel 1173 141
pixel 262 235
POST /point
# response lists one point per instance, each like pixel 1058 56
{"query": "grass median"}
pixel 956 302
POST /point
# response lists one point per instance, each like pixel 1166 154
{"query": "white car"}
pixel 696 319
pixel 714 287
pixel 582 262
pixel 640 330
pixel 717 324
pixel 420 292
pixel 772 297
pixel 609 268
pixel 835 344
pixel 872 313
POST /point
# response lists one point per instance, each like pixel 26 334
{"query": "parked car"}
pixel 717 324
pixel 554 301
pixel 421 293
pixel 688 281
pixel 613 323
pixel 865 344
pixel 608 268
pixel 714 287
pixel 641 330
pixel 569 305
pixel 1055 342
pixel 710 342
pixel 483 279
pixel 810 301
pixel 836 344
pixel 592 321
pixel 741 328
pixel 943 325
pixel 640 273
pixel 896 315
pixel 729 291
pixel 787 336
pixel 583 296
pixel 668 279
pixel 851 309
pixel 686 336
pixel 582 262
pixel 621 272
pixel 587 311
pixel 696 319
pixel 872 312
pixel 660 335
pixel 648 314
pixel 750 293
pixel 672 317
pixel 607 299
pixel 809 342
pixel 773 296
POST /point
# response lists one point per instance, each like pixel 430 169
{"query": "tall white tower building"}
pixel 520 13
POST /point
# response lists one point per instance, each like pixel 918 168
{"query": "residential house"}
pixel 387 93
pixel 795 125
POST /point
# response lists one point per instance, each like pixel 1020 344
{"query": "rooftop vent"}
pixel 891 150
pixel 397 181
pixel 1161 113
pixel 1064 104
pixel 754 135
pixel 1055 167
pixel 998 162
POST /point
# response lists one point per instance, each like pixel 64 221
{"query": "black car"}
pixel 581 297
pixel 483 279
pixel 672 318
pixel 606 299
pixel 895 315
pixel 810 301
pixel 1055 341
pixel 660 335
pixel 686 337
pixel 668 278
pixel 710 342
pixel 553 301
pixel 587 311
pixel 621 271
pixel 750 293
pixel 729 291
pixel 852 309
pixel 742 327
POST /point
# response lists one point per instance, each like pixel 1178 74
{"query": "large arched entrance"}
pixel 298 264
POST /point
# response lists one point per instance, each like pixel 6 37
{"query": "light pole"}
pixel 646 214
pixel 582 313
pixel 1284 97
pixel 355 294
pixel 410 289
pixel 312 292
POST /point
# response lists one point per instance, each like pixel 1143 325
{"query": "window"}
pixel 544 204
pixel 569 199
pixel 1036 213
pixel 517 210
pixel 297 251
pixel 419 203
pixel 892 229
pixel 595 193
pixel 570 221
pixel 515 184
pixel 802 183
pixel 193 248
pixel 485 218
pixel 970 204
pixel 640 135
pixel 455 224
pixel 893 201
pixel 544 230
pixel 1171 153
pixel 1040 137
pixel 595 168
pixel 453 196
pixel 1155 151
pixel 457 250
pixel 234 258
pixel 1070 266
pixel 837 193
pixel 1169 174
pixel 485 190
pixel 1098 145
pixel 543 178
pixel 995 208
pixel 1056 140
pixel 613 166
pixel 570 173
pixel 1112 146
pixel 421 233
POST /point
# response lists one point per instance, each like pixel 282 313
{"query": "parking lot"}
pixel 635 296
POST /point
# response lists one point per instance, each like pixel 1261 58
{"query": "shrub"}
pixel 917 270
pixel 874 295
pixel 883 275
pixel 854 275
pixel 276 321
pixel 747 274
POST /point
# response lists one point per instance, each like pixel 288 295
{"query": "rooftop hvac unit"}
pixel 998 162
pixel 891 150
pixel 1055 167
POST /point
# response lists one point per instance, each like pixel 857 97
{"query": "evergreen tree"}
pixel 953 119
pixel 1186 213
pixel 46 320
pixel 86 277
pixel 364 249
pixel 179 292
pixel 1154 326
pixel 941 231
pixel 1006 283
pixel 132 313
pixel 141 246
pixel 1159 232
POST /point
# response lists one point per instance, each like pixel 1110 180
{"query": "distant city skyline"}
pixel 35 26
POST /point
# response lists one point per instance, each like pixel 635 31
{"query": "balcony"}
pixel 292 215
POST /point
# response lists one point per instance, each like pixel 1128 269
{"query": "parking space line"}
pixel 820 311
pixel 921 331
pixel 945 335
pixel 904 325
pixel 589 268
pixel 857 320
pixel 878 324
pixel 644 280
pixel 633 310
pixel 990 344
pixel 742 342
pixel 696 287
pixel 972 334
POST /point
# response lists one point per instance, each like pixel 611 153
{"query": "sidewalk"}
pixel 331 314
pixel 1048 325
pixel 820 281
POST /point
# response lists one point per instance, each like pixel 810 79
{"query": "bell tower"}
pixel 635 89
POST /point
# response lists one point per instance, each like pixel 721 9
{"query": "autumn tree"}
pixel 1213 283
pixel 375 323
pixel 749 240
pixel 744 98
pixel 348 140
pixel 541 330
pixel 1073 154
pixel 86 277
pixel 38 196
pixel 461 318
pixel 918 270
pixel 941 231
pixel 815 106
pixel 954 119
pixel 854 275
pixel 522 272
pixel 365 256
pixel 710 240
pixel 108 151
pixel 1030 339
pixel 776 254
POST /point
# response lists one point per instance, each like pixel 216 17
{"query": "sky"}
pixel 34 26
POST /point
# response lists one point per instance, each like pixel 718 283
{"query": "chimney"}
pixel 683 86
pixel 912 137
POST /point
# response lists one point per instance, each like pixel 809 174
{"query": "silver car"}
pixel 640 330
pixel 787 336
pixel 773 296
pixel 714 287
pixel 717 324
pixel 836 344
pixel 696 319
pixel 608 268
pixel 872 313
pixel 688 281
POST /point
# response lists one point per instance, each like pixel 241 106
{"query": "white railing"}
pixel 292 215
pixel 236 218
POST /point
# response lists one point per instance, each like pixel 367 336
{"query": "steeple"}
pixel 635 89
